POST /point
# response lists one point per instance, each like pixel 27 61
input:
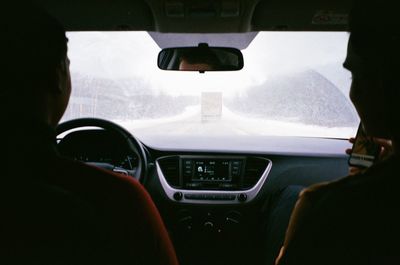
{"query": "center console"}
pixel 212 179
pixel 210 211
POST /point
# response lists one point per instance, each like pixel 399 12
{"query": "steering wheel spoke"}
pixel 133 145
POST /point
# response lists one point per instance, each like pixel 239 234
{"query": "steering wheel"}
pixel 132 143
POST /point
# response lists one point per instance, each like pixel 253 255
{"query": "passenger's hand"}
pixel 386 151
pixel 386 148
pixel 353 170
pixel 352 140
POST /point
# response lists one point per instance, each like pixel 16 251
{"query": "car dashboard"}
pixel 214 201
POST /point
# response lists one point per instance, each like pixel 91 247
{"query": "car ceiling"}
pixel 200 16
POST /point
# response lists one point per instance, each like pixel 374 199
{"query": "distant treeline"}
pixel 306 97
pixel 122 99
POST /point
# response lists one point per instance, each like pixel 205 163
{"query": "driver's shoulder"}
pixel 94 182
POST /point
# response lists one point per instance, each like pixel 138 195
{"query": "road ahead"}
pixel 190 123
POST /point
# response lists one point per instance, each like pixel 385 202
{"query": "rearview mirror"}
pixel 201 59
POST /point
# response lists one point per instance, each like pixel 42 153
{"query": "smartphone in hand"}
pixel 364 151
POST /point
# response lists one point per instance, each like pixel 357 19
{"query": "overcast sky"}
pixel 130 55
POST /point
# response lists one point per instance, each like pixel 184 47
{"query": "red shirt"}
pixel 126 225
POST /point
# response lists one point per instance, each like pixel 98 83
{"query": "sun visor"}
pixel 234 40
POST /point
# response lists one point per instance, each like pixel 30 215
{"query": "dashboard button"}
pixel 220 197
pixel 194 196
pixel 208 196
pixel 187 162
pixel 211 197
pixel 231 197
pixel 193 185
pixel 209 224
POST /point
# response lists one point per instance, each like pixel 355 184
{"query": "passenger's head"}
pixel 374 59
pixel 36 82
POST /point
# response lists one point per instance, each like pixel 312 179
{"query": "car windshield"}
pixel 292 84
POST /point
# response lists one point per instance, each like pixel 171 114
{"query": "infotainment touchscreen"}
pixel 211 171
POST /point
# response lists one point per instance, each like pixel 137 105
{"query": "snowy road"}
pixel 190 123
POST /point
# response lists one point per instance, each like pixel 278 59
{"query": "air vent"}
pixel 255 167
pixel 170 168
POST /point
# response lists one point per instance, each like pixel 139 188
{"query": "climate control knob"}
pixel 178 196
pixel 242 197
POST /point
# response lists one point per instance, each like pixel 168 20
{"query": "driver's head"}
pixel 374 60
pixel 198 59
pixel 186 65
pixel 36 82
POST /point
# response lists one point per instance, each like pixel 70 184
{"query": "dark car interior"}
pixel 237 212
